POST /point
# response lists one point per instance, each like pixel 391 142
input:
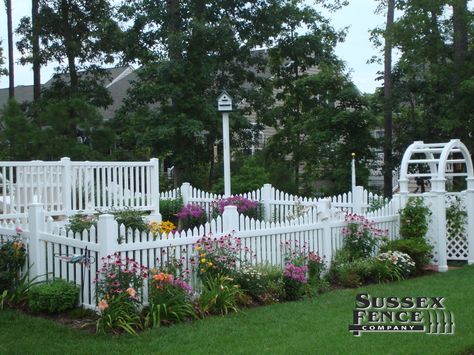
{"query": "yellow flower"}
pixel 209 264
pixel 198 248
pixel 202 270
pixel 203 260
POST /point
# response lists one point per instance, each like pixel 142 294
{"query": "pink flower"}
pixel 131 292
pixel 18 230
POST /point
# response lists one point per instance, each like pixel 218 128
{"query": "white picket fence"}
pixel 66 187
pixel 50 245
pixel 278 205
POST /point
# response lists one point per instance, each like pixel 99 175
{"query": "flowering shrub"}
pixel 217 255
pixel 118 288
pixel 191 216
pixel 402 262
pixel 361 236
pixel 164 227
pixel 251 281
pixel 117 275
pixel 79 222
pixel 294 278
pixel 12 259
pixel 244 206
pixel 170 298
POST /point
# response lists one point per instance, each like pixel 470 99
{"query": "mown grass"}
pixel 314 326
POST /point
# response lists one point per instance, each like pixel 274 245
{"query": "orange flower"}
pixel 131 292
pixel 103 305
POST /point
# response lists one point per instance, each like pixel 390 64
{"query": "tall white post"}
pixel 155 190
pixel 36 247
pixel 266 198
pixel 439 219
pixel 324 217
pixel 230 219
pixel 107 230
pixel 67 186
pixel 353 174
pixel 185 192
pixel 470 219
pixel 357 199
pixel 226 143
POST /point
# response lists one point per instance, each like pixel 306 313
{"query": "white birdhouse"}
pixel 224 102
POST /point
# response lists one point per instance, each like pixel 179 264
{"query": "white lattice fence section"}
pixel 456 227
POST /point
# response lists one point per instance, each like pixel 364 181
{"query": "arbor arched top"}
pixel 435 161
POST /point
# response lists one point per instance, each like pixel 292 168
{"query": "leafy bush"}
pixel 170 299
pixel 400 261
pixel 220 295
pixel 170 208
pixel 191 216
pixel 251 281
pixel 354 273
pixel 118 313
pixel 218 256
pixel 294 279
pixel 79 222
pixel 414 218
pixel 56 296
pixel 130 218
pixel 418 250
pixel 252 209
pixel 360 236
pixel 273 285
pixel 456 217
pixel 12 260
pixel 118 288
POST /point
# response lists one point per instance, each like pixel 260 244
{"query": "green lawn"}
pixel 308 327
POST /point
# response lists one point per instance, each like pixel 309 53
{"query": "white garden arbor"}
pixel 438 163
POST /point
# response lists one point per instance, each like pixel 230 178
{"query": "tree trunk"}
pixel 11 68
pixel 36 50
pixel 460 40
pixel 387 107
pixel 68 43
pixel 174 50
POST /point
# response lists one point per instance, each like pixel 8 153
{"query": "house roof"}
pixel 117 82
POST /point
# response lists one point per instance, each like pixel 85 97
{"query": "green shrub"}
pixel 220 295
pixel 131 218
pixel 55 296
pixel 118 313
pixel 414 218
pixel 169 209
pixel 78 223
pixel 354 273
pixel 12 260
pixel 418 249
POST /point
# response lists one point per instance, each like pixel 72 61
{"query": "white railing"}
pixel 66 187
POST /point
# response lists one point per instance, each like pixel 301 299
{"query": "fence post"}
pixel 470 219
pixel 266 198
pixel 107 232
pixel 357 199
pixel 324 216
pixel 36 247
pixel 155 190
pixel 230 219
pixel 186 192
pixel 67 186
pixel 439 220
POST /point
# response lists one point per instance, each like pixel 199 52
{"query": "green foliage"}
pixel 456 217
pixel 119 315
pixel 55 296
pixel 219 295
pixel 3 71
pixel 19 294
pixel 355 273
pixel 79 222
pixel 414 218
pixel 169 301
pixel 418 249
pixel 248 174
pixel 169 209
pixel 12 260
pixel 130 218
pixel 18 137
